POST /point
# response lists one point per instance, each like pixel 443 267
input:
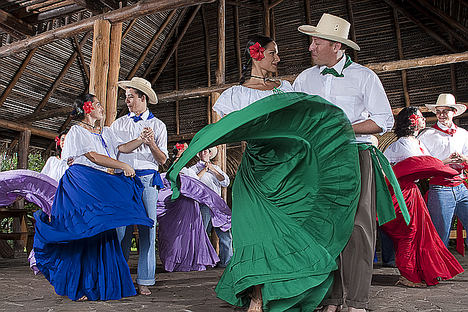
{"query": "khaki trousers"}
pixel 353 278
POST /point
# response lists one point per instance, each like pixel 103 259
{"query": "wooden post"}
pixel 266 17
pixel 23 149
pixel 237 40
pixel 99 67
pixel 401 56
pixel 176 74
pixel 351 21
pixel 113 77
pixel 453 80
pixel 207 63
pixel 308 22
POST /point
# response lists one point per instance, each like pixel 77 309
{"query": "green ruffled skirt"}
pixel 294 198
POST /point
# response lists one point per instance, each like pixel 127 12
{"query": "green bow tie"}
pixel 333 72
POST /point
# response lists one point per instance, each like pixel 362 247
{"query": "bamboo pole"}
pixel 99 67
pixel 138 9
pixel 82 60
pixel 17 76
pixel 401 56
pixel 113 74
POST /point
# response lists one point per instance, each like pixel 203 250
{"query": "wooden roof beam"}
pixel 15 26
pixel 409 16
pixel 377 67
pixel 444 16
pixel 138 9
pixel 47 15
pixel 59 112
pixel 93 6
pixel 7 124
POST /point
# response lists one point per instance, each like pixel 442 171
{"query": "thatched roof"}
pixel 42 95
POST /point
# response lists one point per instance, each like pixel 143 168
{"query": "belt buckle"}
pixel 110 171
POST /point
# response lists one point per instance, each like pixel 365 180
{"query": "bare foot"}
pixel 256 302
pixel 84 298
pixel 405 282
pixel 144 290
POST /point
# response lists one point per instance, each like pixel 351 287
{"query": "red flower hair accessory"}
pixel 414 119
pixel 57 141
pixel 256 51
pixel 180 146
pixel 88 107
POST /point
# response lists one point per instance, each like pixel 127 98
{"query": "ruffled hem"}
pixel 286 267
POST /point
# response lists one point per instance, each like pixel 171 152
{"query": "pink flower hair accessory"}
pixel 88 107
pixel 414 119
pixel 57 141
pixel 256 51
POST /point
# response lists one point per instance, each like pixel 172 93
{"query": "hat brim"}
pixel 459 108
pixel 213 152
pixel 152 98
pixel 312 31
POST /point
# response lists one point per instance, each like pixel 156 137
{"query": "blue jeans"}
pixel 147 242
pixel 443 203
pixel 225 239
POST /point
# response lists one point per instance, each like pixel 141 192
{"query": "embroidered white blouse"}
pixel 55 168
pixel 238 97
pixel 403 148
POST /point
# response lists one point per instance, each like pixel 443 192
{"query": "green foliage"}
pixel 9 162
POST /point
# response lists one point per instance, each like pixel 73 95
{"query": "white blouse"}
pixel 238 97
pixel 403 148
pixel 55 168
pixel 81 141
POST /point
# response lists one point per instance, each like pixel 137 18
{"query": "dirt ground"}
pixel 21 291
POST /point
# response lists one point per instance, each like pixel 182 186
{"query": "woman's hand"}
pixel 128 171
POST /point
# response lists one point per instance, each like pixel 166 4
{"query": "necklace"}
pixel 263 78
pixel 92 127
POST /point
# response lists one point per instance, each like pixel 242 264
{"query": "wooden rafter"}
pixel 60 77
pixel 16 27
pixel 6 124
pixel 437 21
pixel 441 14
pixel 51 14
pixel 252 7
pixel 138 9
pixel 165 42
pixel 94 6
pixel 275 3
pixel 431 33
pixel 84 66
pixel 129 27
pixel 176 44
pixel 17 76
pixel 207 61
pixel 47 114
pixel 151 44
pixel 377 67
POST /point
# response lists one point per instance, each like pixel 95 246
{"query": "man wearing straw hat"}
pixel 359 93
pixel 447 142
pixel 142 144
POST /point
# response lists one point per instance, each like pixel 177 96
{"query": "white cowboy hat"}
pixel 332 28
pixel 447 99
pixel 213 152
pixel 140 84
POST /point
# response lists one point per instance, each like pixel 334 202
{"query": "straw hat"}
pixel 140 84
pixel 447 99
pixel 332 28
pixel 213 152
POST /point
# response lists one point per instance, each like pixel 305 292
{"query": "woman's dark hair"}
pixel 58 148
pixel 403 125
pixel 247 65
pixel 78 112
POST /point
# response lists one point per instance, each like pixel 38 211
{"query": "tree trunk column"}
pixel 99 66
pixel 113 77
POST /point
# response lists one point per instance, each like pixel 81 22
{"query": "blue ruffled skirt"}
pixel 78 250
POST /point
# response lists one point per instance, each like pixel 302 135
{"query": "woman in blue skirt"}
pixel 78 250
